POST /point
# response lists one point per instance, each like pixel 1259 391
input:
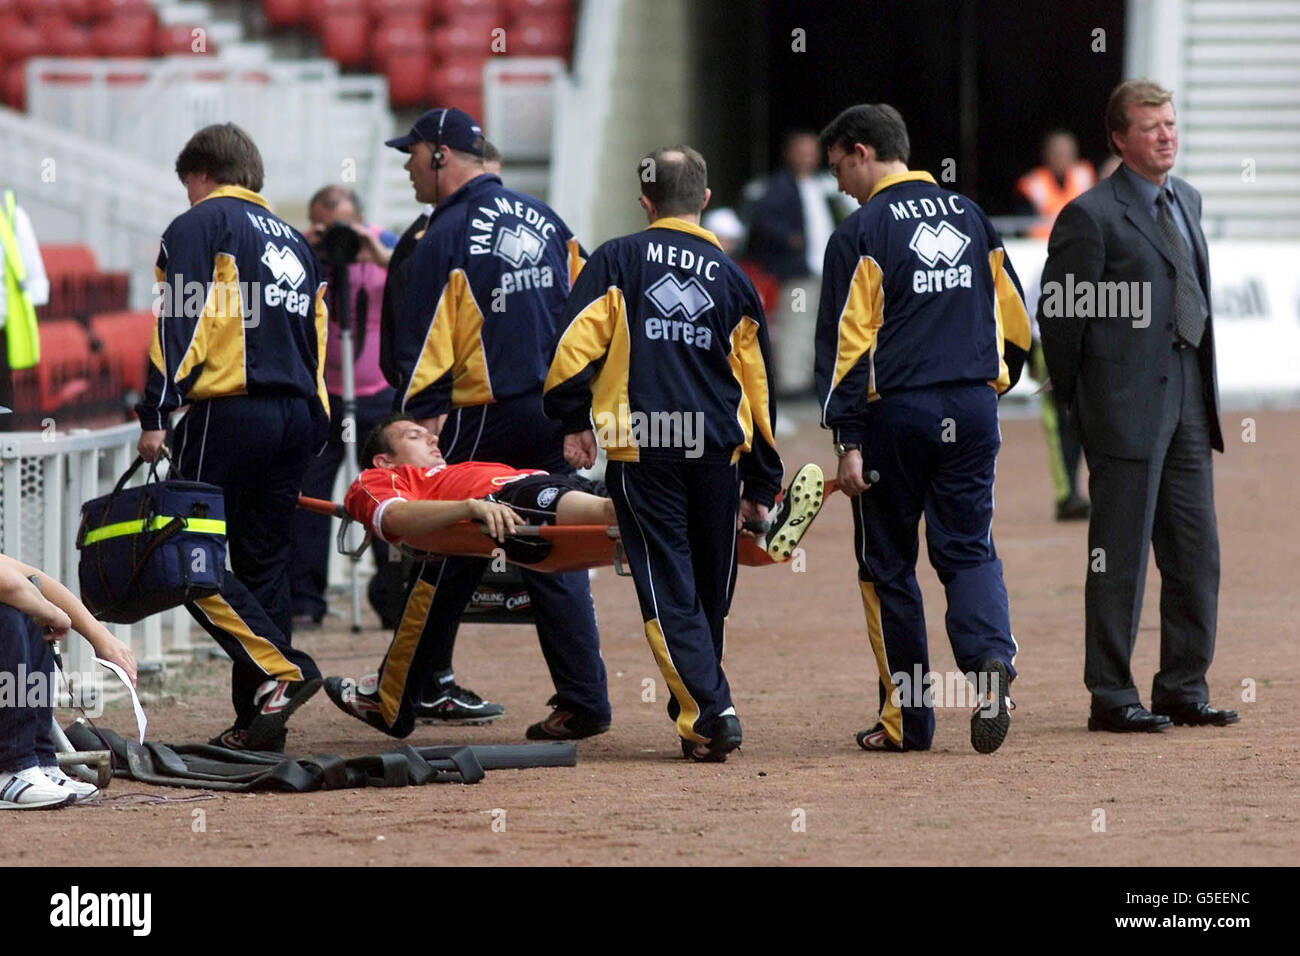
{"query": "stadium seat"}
pixel 421 10
pixel 123 340
pixel 61 37
pixel 470 36
pixel 398 35
pixel 344 38
pixel 457 77
pixel 455 10
pixel 19 40
pixel 316 12
pixel 284 13
pixel 408 78
pixel 549 8
pixel 124 35
pixel 178 38
pixel 14 92
pixel 104 9
pixel 539 36
pixel 64 372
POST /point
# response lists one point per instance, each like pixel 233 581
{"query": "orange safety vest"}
pixel 1039 186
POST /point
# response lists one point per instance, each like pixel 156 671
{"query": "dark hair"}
pixel 331 196
pixel 877 125
pixel 674 178
pixel 490 153
pixel 1141 92
pixel 377 442
pixel 224 152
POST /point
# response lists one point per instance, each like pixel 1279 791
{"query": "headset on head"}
pixel 438 155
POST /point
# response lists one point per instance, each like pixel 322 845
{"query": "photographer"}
pixel 342 241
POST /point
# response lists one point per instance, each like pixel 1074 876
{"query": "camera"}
pixel 338 245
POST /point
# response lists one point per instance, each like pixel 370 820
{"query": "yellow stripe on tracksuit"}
pixel 322 334
pixel 262 652
pixel 217 346
pixel 397 662
pixel 860 321
pixel 891 717
pixel 576 262
pixel 456 329
pixel 751 374
pixel 599 333
pixel 690 710
pixel 1010 315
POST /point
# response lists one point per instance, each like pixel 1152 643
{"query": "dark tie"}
pixel 1189 316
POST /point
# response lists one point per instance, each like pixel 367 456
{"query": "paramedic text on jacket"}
pixel 488 279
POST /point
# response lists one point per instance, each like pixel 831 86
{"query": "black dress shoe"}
pixel 1200 715
pixel 1128 719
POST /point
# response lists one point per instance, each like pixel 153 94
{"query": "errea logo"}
pixel 690 298
pixel 284 265
pixel 519 246
pixel 946 243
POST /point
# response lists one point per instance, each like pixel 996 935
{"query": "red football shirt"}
pixel 375 488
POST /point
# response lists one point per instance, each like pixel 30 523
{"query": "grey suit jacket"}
pixel 1109 372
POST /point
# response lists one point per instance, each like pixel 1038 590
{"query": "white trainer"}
pixel 82 792
pixel 30 790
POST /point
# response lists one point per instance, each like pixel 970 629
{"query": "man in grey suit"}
pixel 1129 343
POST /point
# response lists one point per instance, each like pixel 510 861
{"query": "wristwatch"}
pixel 843 448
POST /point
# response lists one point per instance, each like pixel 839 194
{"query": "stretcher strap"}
pixel 139 526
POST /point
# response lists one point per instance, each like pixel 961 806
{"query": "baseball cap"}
pixel 447 127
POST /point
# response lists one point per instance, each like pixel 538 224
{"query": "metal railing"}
pixel 45 477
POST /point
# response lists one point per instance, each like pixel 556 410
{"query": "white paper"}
pixel 140 720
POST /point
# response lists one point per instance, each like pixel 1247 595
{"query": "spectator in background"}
pixel 492 161
pixel 36 611
pixel 791 216
pixel 366 278
pixel 726 225
pixel 23 286
pixel 1044 190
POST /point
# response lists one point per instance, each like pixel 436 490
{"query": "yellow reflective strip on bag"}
pixel 121 528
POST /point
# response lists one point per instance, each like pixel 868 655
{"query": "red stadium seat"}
pixel 344 38
pixel 408 78
pixel 398 35
pixel 539 36
pixel 126 35
pixel 14 91
pixel 466 37
pixel 316 12
pixel 454 10
pixel 548 8
pixel 284 13
pixel 457 76
pixel 124 339
pixel 61 37
pixel 61 260
pixel 104 9
pixel 19 40
pixel 64 371
pixel 179 38
pixel 421 10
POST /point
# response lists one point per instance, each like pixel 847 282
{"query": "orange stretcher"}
pixel 574 547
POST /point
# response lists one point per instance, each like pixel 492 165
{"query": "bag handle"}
pixel 135 465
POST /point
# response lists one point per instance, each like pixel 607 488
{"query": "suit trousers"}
pixel 1165 502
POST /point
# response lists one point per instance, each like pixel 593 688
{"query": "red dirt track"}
pixel 804 683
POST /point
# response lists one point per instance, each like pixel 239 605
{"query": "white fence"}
pixel 46 476
pixel 312 125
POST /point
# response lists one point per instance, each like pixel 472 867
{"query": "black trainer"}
pixel 236 738
pixel 991 720
pixel 276 701
pixel 566 722
pixel 453 704
pixel 348 697
pixel 726 738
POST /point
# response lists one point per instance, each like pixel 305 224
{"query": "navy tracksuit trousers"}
pixel 256 449
pixel 677 522
pixel 935 450
pixel 25 738
pixel 516 433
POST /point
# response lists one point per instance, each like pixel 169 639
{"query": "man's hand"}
pixel 151 443
pixel 750 511
pixel 500 520
pixel 109 648
pixel 372 250
pixel 580 449
pixel 433 425
pixel 56 622
pixel 848 478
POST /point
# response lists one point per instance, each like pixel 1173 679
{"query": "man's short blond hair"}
pixel 1141 92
